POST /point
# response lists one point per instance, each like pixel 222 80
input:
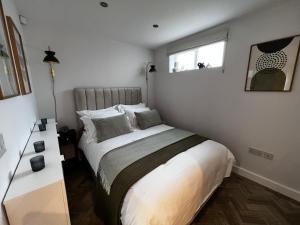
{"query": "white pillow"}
pixel 122 108
pixel 92 113
pixel 131 116
pixel 89 129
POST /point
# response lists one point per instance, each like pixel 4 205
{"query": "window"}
pixel 210 56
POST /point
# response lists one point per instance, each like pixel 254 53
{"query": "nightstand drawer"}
pixel 67 137
pixel 69 151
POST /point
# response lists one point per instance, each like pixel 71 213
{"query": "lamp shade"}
pixel 50 58
pixel 152 69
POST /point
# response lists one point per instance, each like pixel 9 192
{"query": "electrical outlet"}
pixel 2 146
pixel 268 156
pixel 260 153
pixel 255 152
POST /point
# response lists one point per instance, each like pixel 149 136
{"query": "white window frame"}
pixel 196 56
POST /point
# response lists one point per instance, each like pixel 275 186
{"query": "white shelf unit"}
pixel 36 198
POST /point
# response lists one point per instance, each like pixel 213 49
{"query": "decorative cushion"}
pixel 148 119
pixel 130 113
pixel 89 127
pixel 111 127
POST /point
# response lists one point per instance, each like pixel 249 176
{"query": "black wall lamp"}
pixel 150 68
pixel 51 60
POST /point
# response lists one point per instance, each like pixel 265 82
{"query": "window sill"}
pixel 215 69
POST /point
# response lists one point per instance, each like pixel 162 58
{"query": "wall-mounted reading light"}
pixel 104 4
pixel 152 69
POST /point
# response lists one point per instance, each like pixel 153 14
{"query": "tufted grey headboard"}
pixel 100 98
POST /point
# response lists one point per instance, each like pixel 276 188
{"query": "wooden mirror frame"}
pixel 14 34
pixel 7 43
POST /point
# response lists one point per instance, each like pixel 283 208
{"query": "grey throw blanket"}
pixel 109 205
pixel 113 162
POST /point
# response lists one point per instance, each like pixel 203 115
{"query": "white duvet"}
pixel 172 193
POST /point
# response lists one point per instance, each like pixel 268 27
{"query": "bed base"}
pixel 97 206
pixel 84 160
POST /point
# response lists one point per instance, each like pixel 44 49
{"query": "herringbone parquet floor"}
pixel 237 202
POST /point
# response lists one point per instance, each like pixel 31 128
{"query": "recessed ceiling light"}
pixel 104 4
pixel 155 25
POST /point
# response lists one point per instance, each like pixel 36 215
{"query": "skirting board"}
pixel 287 191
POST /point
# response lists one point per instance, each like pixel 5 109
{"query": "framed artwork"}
pixel 19 56
pixel 9 86
pixel 272 65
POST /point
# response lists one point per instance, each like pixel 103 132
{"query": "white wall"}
pixel 17 117
pixel 87 59
pixel 215 104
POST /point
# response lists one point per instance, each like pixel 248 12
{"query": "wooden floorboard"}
pixel 238 201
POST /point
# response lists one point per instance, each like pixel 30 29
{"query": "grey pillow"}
pixel 148 119
pixel 111 127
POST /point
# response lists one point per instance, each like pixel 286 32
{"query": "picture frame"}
pixel 9 85
pixel 272 65
pixel 19 56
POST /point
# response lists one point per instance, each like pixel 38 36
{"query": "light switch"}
pixel 2 146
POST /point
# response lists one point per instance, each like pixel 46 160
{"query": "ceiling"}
pixel 131 20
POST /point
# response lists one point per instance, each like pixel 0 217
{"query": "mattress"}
pixel 174 191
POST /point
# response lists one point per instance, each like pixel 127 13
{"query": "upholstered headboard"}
pixel 100 98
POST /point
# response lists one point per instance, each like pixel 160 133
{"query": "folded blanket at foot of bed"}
pixel 122 167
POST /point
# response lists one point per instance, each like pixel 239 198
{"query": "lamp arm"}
pixel 147 83
pixel 51 70
pixel 52 73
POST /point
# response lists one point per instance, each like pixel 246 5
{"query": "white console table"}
pixel 39 198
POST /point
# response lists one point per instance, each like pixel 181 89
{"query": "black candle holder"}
pixel 42 127
pixel 44 121
pixel 37 163
pixel 39 146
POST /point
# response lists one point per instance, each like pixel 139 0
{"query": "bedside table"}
pixel 68 144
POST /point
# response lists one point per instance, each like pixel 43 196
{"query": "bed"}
pixel 174 191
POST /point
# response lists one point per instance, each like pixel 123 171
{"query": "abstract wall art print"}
pixel 272 65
